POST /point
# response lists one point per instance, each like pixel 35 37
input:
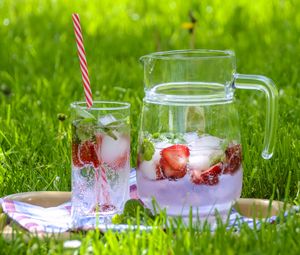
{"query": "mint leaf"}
pixel 75 138
pixel 155 135
pixel 130 208
pixel 169 136
pixel 85 131
pixel 225 144
pixel 88 120
pixel 108 124
pixel 147 150
pixel 216 158
pixel 85 127
pixel 118 219
pixel 130 212
pixel 178 138
pixel 200 132
pixel 114 123
pixel 84 114
pixel 109 131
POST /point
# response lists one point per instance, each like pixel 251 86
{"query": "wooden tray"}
pixel 248 207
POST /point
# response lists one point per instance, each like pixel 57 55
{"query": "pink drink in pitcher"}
pixel 200 173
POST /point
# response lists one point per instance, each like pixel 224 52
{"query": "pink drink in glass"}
pixel 100 163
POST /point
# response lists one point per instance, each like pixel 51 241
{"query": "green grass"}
pixel 39 78
pixel 281 238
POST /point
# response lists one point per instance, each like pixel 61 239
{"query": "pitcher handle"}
pixel 262 83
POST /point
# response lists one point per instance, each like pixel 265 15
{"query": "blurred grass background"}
pixel 40 77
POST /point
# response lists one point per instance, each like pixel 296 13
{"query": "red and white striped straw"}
pixel 82 60
pixel 88 93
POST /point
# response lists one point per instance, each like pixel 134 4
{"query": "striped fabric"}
pixel 58 219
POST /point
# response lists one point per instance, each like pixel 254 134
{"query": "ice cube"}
pixel 112 149
pixel 207 142
pixel 190 137
pixel 203 159
pixel 107 119
pixel 198 161
pixel 210 141
pixel 162 145
pixel 148 168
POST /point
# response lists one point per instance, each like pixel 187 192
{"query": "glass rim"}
pixel 114 105
pixel 190 54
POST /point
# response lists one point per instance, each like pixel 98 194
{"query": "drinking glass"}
pixel 100 161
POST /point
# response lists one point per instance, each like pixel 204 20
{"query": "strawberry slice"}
pixel 207 177
pixel 99 140
pixel 159 174
pixel 174 161
pixel 88 154
pixel 233 159
pixel 75 160
pixel 176 156
pixel 102 208
pixel 120 162
pixel 170 172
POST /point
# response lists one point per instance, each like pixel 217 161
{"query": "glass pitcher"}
pixel 190 154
